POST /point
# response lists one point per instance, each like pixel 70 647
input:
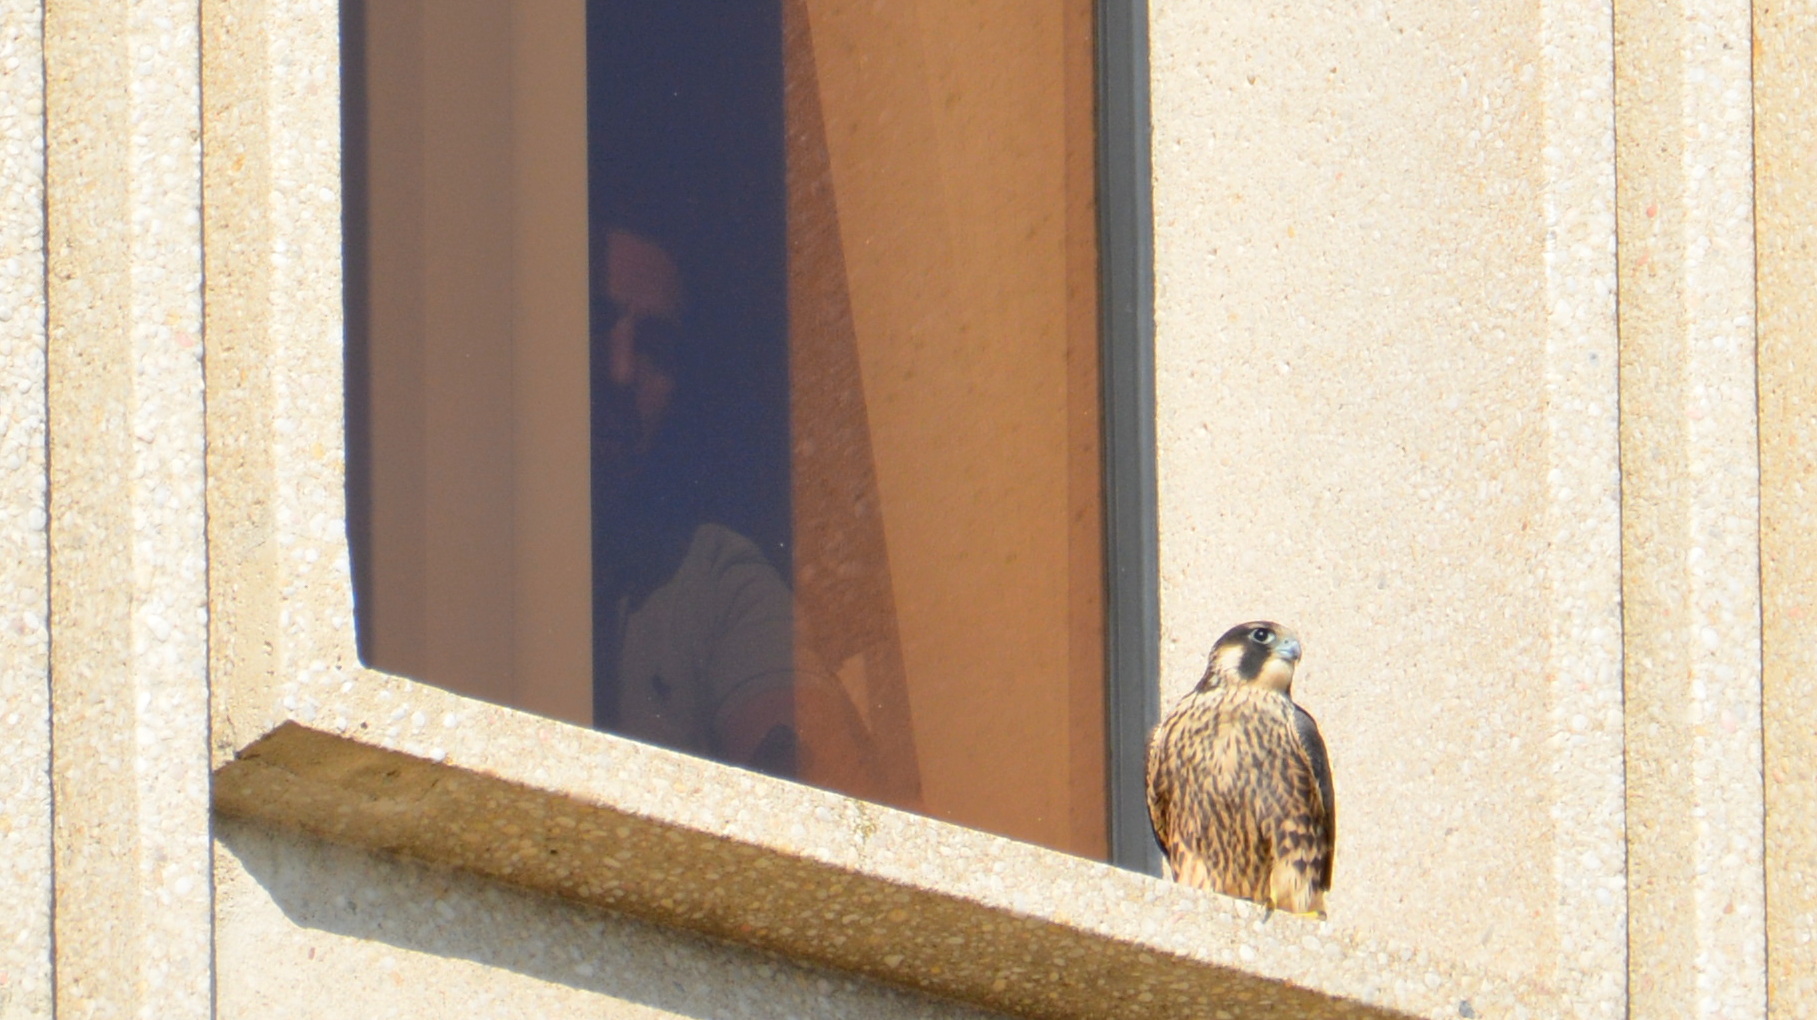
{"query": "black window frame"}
pixel 1132 624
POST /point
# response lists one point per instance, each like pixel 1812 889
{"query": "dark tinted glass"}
pixel 726 375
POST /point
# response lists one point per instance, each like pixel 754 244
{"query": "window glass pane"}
pixel 727 377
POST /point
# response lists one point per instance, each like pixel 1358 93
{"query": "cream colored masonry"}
pixel 1480 359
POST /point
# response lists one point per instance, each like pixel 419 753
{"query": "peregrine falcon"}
pixel 1239 788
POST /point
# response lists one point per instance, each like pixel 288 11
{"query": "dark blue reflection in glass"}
pixel 689 353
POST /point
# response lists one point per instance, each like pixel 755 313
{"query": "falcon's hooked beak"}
pixel 1277 671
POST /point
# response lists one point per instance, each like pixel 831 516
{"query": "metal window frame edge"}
pixel 1131 530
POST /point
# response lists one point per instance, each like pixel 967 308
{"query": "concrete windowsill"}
pixel 397 766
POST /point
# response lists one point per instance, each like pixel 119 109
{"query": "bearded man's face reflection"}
pixel 638 339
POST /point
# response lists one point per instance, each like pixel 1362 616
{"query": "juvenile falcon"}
pixel 1239 788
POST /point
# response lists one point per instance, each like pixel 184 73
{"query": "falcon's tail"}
pixel 1295 888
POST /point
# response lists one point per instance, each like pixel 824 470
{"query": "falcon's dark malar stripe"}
pixel 1255 656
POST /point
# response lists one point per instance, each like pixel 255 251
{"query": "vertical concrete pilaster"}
pixel 25 817
pixel 1583 475
pixel 128 597
pixel 1691 572
pixel 1785 210
pixel 243 554
pixel 279 573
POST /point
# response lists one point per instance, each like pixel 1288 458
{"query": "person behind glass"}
pixel 692 623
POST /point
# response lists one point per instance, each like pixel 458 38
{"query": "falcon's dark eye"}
pixel 1261 635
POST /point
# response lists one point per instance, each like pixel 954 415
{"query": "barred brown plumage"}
pixel 1239 785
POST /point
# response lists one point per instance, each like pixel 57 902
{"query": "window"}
pixel 728 376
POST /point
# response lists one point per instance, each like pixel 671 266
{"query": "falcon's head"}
pixel 1260 654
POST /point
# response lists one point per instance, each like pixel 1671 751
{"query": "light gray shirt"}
pixel 709 638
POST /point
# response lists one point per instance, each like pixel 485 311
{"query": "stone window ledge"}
pixel 388 764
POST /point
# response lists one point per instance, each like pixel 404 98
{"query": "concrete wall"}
pixel 308 929
pixel 25 815
pixel 1785 210
pixel 1387 381
pixel 1551 563
pixel 128 558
